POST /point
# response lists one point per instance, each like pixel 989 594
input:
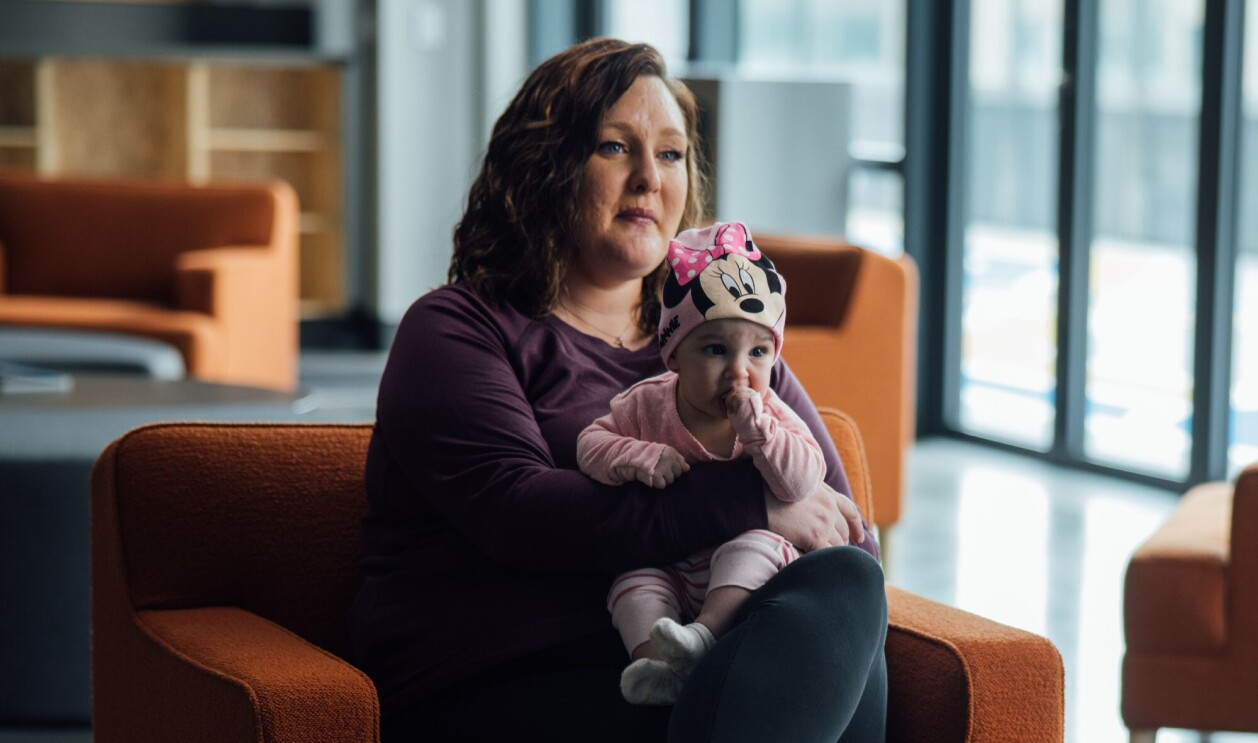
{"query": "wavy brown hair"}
pixel 515 239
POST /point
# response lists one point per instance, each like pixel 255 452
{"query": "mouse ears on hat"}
pixel 691 251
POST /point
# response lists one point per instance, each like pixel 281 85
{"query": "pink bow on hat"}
pixel 688 261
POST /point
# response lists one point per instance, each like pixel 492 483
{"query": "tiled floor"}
pixel 999 534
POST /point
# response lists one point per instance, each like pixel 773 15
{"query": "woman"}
pixel 488 554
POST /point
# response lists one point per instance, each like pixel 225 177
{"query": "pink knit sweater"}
pixel 644 418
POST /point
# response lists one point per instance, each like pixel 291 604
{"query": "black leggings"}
pixel 804 662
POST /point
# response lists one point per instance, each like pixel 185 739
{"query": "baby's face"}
pixel 719 358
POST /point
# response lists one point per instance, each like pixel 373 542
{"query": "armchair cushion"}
pixel 209 523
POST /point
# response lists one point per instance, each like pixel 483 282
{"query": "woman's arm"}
pixel 460 430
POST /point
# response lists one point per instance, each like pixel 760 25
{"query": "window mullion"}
pixel 1217 189
pixel 1077 112
pixel 936 65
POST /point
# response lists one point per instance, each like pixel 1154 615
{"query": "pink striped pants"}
pixel 640 597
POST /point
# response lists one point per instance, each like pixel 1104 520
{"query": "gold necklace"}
pixel 617 338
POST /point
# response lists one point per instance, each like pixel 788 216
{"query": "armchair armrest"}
pixel 955 676
pixel 200 274
pixel 208 280
pixel 252 294
pixel 225 674
pixel 846 437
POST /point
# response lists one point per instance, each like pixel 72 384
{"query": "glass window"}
pixel 860 42
pixel 1009 294
pixel 1140 335
pixel 664 24
pixel 860 38
pixel 1243 450
pixel 875 214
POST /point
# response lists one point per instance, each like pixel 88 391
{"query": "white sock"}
pixel 681 645
pixel 647 681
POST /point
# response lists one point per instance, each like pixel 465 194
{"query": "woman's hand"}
pixel 827 518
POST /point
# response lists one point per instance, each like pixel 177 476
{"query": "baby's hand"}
pixel 744 406
pixel 735 398
pixel 669 468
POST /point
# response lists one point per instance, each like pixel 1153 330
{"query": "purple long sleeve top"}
pixel 483 541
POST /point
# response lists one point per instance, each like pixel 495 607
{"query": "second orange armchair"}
pixel 210 269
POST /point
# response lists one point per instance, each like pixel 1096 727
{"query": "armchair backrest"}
pixel 119 238
pixel 821 276
pixel 262 517
pixel 851 339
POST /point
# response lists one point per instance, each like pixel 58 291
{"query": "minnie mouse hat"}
pixel 718 273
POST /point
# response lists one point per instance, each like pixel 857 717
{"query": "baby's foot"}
pixel 648 681
pixel 681 645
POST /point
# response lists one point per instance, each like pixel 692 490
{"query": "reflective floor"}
pixel 1037 547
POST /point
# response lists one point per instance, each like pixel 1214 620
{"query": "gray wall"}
pixel 778 150
pixel 445 70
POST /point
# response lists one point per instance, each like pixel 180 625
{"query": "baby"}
pixel 720 332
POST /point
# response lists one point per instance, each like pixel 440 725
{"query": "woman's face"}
pixel 634 186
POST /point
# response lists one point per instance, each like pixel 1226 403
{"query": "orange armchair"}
pixel 225 556
pixel 1190 612
pixel 209 269
pixel 851 338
